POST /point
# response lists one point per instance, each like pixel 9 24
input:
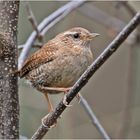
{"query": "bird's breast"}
pixel 63 71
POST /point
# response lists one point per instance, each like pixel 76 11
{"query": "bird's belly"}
pixel 67 71
pixel 60 73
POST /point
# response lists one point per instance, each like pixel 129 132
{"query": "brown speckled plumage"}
pixel 61 61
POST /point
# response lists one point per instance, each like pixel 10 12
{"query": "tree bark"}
pixel 9 104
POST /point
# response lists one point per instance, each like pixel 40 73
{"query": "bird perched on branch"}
pixel 59 63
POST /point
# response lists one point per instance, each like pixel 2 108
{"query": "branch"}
pixel 42 25
pixel 33 21
pixel 93 118
pixel 36 45
pixel 113 46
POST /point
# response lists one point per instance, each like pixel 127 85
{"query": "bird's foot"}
pixel 44 120
pixel 65 101
pixel 78 96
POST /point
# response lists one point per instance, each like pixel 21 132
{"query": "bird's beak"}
pixel 92 35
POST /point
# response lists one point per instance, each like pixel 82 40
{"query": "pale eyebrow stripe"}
pixel 69 32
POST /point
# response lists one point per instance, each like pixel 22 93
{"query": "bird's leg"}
pixel 78 96
pixel 50 109
pixel 60 89
pixel 50 106
pixel 65 90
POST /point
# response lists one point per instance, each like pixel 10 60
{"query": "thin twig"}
pixel 42 25
pixel 33 21
pixel 59 18
pixel 93 118
pixel 36 45
pixel 31 17
pixel 113 46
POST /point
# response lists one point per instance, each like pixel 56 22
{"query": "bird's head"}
pixel 77 37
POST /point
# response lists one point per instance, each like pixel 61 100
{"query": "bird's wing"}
pixel 46 54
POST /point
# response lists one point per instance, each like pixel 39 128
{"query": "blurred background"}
pixel 113 91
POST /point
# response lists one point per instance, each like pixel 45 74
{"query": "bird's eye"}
pixel 76 35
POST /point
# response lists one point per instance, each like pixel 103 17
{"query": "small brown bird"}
pixel 59 63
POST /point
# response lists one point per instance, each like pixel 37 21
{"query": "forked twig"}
pixel 36 45
pixel 33 21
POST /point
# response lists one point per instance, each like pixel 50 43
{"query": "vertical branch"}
pixel 9 105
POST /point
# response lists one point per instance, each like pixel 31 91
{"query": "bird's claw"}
pixel 79 100
pixel 44 125
pixel 78 96
pixel 65 101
